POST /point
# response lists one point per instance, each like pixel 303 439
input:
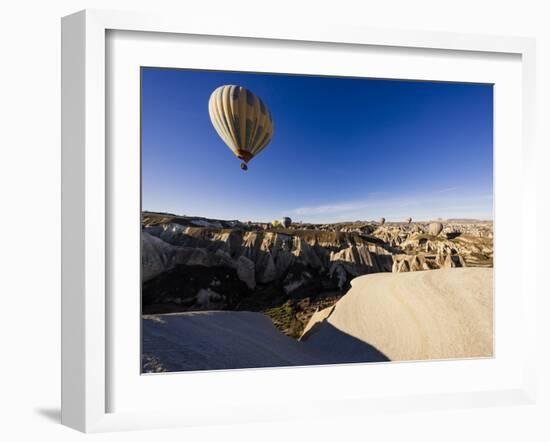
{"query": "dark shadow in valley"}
pixel 337 347
pixel 453 235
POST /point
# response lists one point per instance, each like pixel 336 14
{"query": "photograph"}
pixel 303 220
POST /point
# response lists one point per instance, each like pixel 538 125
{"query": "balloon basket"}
pixel 244 166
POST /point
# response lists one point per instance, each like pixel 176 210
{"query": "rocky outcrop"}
pixel 250 265
pixel 415 263
pixel 358 260
pixel 460 245
pixel 300 263
pixel 261 257
pixel 440 314
pixel 157 256
pixel 246 272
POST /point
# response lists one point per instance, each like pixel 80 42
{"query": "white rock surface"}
pixel 435 314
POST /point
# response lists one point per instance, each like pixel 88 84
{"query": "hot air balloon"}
pixel 276 223
pixel 435 228
pixel 382 221
pixel 286 222
pixel 242 120
pixel 408 220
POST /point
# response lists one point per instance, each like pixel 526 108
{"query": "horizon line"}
pixel 387 220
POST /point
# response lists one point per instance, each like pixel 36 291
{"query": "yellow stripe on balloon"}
pixel 230 107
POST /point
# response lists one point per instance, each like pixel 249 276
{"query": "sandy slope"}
pixel 218 340
pixel 435 314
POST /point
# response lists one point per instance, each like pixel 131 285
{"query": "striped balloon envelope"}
pixel 242 120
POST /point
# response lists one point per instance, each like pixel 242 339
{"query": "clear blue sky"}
pixel 343 149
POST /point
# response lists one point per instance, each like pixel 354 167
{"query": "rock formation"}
pixel 435 228
pixel 192 263
pixel 259 257
pixel 439 314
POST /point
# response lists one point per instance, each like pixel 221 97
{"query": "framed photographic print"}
pixel 248 212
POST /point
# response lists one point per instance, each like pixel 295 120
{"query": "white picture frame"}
pixel 86 317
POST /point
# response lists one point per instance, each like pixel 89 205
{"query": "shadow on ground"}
pixel 337 347
pixel 220 340
pixel 51 414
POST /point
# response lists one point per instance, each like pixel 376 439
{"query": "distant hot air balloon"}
pixel 286 222
pixel 242 120
pixel 408 220
pixel 382 221
pixel 435 228
pixel 276 223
